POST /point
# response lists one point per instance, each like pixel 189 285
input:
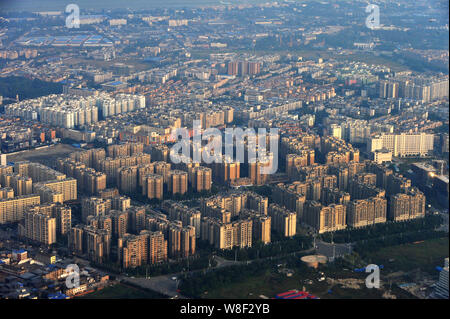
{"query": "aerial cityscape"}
pixel 208 149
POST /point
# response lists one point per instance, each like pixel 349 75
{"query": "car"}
pixel 174 278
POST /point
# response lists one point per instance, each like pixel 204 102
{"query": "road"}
pixel 167 286
pixel 162 284
pixel 222 262
pixel 327 249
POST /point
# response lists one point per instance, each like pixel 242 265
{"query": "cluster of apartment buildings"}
pixel 70 111
pixel 402 145
pixel 421 88
pixel 26 184
pixel 140 234
pixel 342 193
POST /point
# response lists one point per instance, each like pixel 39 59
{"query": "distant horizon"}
pixel 59 5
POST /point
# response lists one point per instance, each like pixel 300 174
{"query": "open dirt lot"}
pixel 45 156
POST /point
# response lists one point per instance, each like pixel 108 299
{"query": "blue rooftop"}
pixel 58 295
pixel 115 83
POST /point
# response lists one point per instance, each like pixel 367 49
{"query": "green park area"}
pixel 330 281
pixel 423 255
pixel 351 286
pixel 121 291
pixel 268 284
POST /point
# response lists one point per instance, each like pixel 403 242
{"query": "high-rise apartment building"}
pixel 256 172
pixel 200 178
pixel 181 240
pixel 441 289
pixel 152 186
pixel 132 250
pixel 94 206
pixel 110 166
pixel 120 223
pixel 22 185
pixel 157 247
pixel 407 206
pixel 127 179
pixel 290 197
pixel 12 209
pixel 401 145
pixel 226 172
pixel 126 149
pixel 365 212
pixel 261 226
pixel 283 221
pixel 6 193
pixel 136 219
pixel 177 182
pixel 325 218
pixel 38 226
pixel 334 196
pixel 67 187
pixel 227 235
pixel 98 244
pixel 90 158
pixel 232 68
pixel 304 158
pixel 163 169
pixel 160 153
pixel 120 203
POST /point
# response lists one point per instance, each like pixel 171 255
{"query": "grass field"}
pixel 403 258
pixel 425 255
pixel 121 291
pixel 271 284
pixel 338 292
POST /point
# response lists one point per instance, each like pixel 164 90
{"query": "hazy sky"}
pixel 112 4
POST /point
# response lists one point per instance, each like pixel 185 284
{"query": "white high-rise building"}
pixel 3 160
pixel 442 285
pixel 336 130
pixel 402 145
pixel 69 111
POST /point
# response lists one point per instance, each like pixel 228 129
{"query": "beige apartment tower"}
pixel 201 178
pixel 153 186
pixel 283 221
pixel 177 182
pixel 39 227
pixel 407 206
pixel 12 209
